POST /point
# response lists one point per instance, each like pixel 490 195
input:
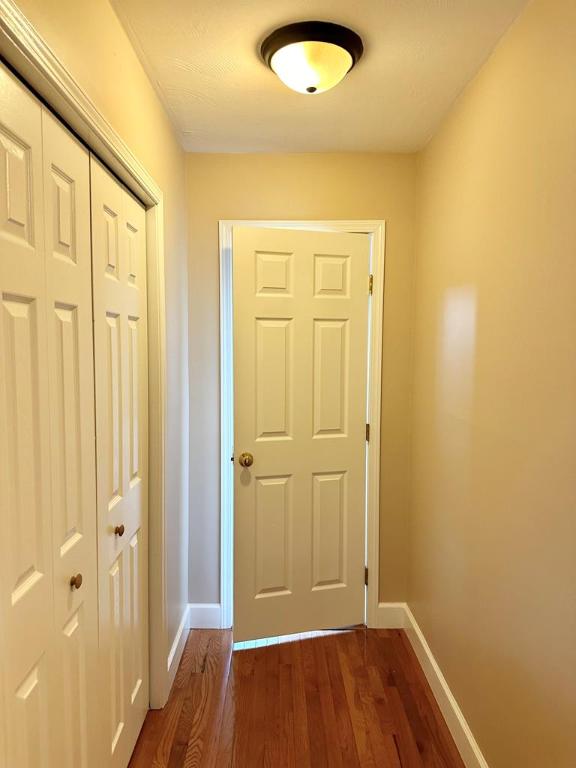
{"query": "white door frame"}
pixel 376 230
pixel 30 56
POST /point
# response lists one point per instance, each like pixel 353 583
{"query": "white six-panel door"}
pixel 119 289
pixel 300 383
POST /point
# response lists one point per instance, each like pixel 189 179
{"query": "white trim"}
pixel 390 616
pixel 204 616
pixel 399 616
pixel 376 230
pixel 226 426
pixel 178 644
pixel 26 51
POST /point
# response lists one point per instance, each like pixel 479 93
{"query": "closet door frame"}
pixel 33 60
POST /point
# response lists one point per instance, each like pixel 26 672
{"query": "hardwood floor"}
pixel 343 700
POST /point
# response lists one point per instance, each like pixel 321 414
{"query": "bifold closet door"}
pixel 48 640
pixel 119 290
pixel 25 500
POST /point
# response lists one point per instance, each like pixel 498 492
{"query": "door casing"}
pixel 376 230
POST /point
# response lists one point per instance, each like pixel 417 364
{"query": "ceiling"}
pixel 202 56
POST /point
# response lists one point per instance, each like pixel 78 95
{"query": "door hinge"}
pixel 367 433
pixel 371 284
pixel 366 575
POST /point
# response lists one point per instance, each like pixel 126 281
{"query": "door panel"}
pixel 135 671
pixel 78 691
pixel 329 513
pixel 71 379
pixel 300 357
pixel 30 718
pixel 331 370
pixel 119 282
pixel 114 671
pixel 273 378
pixel 25 535
pixel 273 514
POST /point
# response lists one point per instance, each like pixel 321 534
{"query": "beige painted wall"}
pixel 493 524
pixel 308 186
pixel 89 39
pixel 489 560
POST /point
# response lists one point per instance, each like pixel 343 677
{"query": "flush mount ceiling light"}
pixel 312 56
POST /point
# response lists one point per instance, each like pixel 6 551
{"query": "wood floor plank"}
pixel 300 711
pixel 316 735
pixel 329 722
pixel 286 743
pixel 243 670
pixel 273 754
pixel 358 717
pixel 377 712
pixel 220 672
pixel 345 731
pixel 355 699
pixel 195 737
pixel 225 751
pixel 257 723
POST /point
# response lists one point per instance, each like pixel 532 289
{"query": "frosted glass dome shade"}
pixel 311 66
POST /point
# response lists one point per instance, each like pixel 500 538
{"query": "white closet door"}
pixel 119 287
pixel 75 719
pixel 25 533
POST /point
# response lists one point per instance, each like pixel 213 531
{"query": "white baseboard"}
pixel 390 616
pixel 399 616
pixel 177 647
pixel 204 616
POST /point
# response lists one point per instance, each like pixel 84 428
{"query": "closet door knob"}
pixel 119 530
pixel 76 581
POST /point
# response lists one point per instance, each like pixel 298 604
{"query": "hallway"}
pixel 287 344
pixel 348 699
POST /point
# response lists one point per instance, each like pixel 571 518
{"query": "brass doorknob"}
pixel 119 530
pixel 246 459
pixel 76 581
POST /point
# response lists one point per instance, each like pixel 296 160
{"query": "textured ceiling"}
pixel 202 56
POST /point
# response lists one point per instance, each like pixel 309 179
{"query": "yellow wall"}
pixel 309 186
pixel 89 39
pixel 493 524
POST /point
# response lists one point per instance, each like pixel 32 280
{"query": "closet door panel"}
pixel 106 206
pixel 71 374
pixel 119 286
pixel 136 456
pixel 25 533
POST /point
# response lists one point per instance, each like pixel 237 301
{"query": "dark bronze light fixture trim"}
pixel 317 31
